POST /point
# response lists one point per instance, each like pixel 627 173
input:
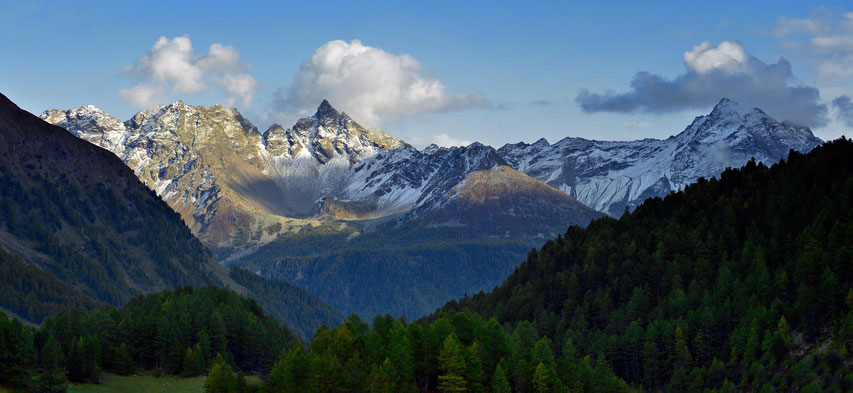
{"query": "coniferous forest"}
pixel 742 283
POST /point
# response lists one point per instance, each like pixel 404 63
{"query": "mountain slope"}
pixel 465 240
pixel 503 199
pixel 610 176
pixel 739 282
pixel 78 230
pixel 300 310
pixel 408 270
pixel 206 163
pixel 76 211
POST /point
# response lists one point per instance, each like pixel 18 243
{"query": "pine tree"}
pixel 84 362
pixel 124 363
pixel 292 373
pixel 541 379
pixel 51 378
pixel 23 355
pixel 382 378
pixel 221 379
pixel 401 358
pixel 500 384
pixel 218 340
pixel 452 362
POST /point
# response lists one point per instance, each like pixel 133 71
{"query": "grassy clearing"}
pixel 142 383
pixel 147 383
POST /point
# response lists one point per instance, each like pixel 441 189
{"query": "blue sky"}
pixel 494 72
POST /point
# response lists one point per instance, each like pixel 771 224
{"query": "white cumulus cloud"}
pixel 728 56
pixel 368 83
pixel 172 67
pixel 445 140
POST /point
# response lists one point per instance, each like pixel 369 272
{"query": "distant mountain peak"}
pixel 727 106
pixel 325 110
pixel 541 142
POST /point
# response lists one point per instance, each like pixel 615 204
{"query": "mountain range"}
pixel 610 176
pixel 236 186
pixel 371 224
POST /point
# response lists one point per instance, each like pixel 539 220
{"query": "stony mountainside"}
pixel 236 186
pixel 208 164
pixel 610 176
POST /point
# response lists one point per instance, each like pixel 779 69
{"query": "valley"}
pixel 426 197
pixel 371 224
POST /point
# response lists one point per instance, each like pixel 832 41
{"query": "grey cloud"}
pixel 712 73
pixel 845 109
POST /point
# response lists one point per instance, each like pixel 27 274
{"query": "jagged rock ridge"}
pixel 236 186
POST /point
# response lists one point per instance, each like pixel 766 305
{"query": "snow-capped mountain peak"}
pixel 610 176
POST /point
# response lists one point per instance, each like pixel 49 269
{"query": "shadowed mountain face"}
pixel 78 212
pixel 610 176
pixel 79 230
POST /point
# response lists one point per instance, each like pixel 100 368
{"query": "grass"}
pixel 142 383
pixel 147 383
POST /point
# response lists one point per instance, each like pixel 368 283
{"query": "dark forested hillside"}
pixel 34 294
pixel 77 212
pixel 743 283
pixel 78 230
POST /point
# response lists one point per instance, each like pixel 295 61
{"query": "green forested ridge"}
pixel 736 284
pixel 397 270
pixel 741 283
pixel 184 332
pixel 301 311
